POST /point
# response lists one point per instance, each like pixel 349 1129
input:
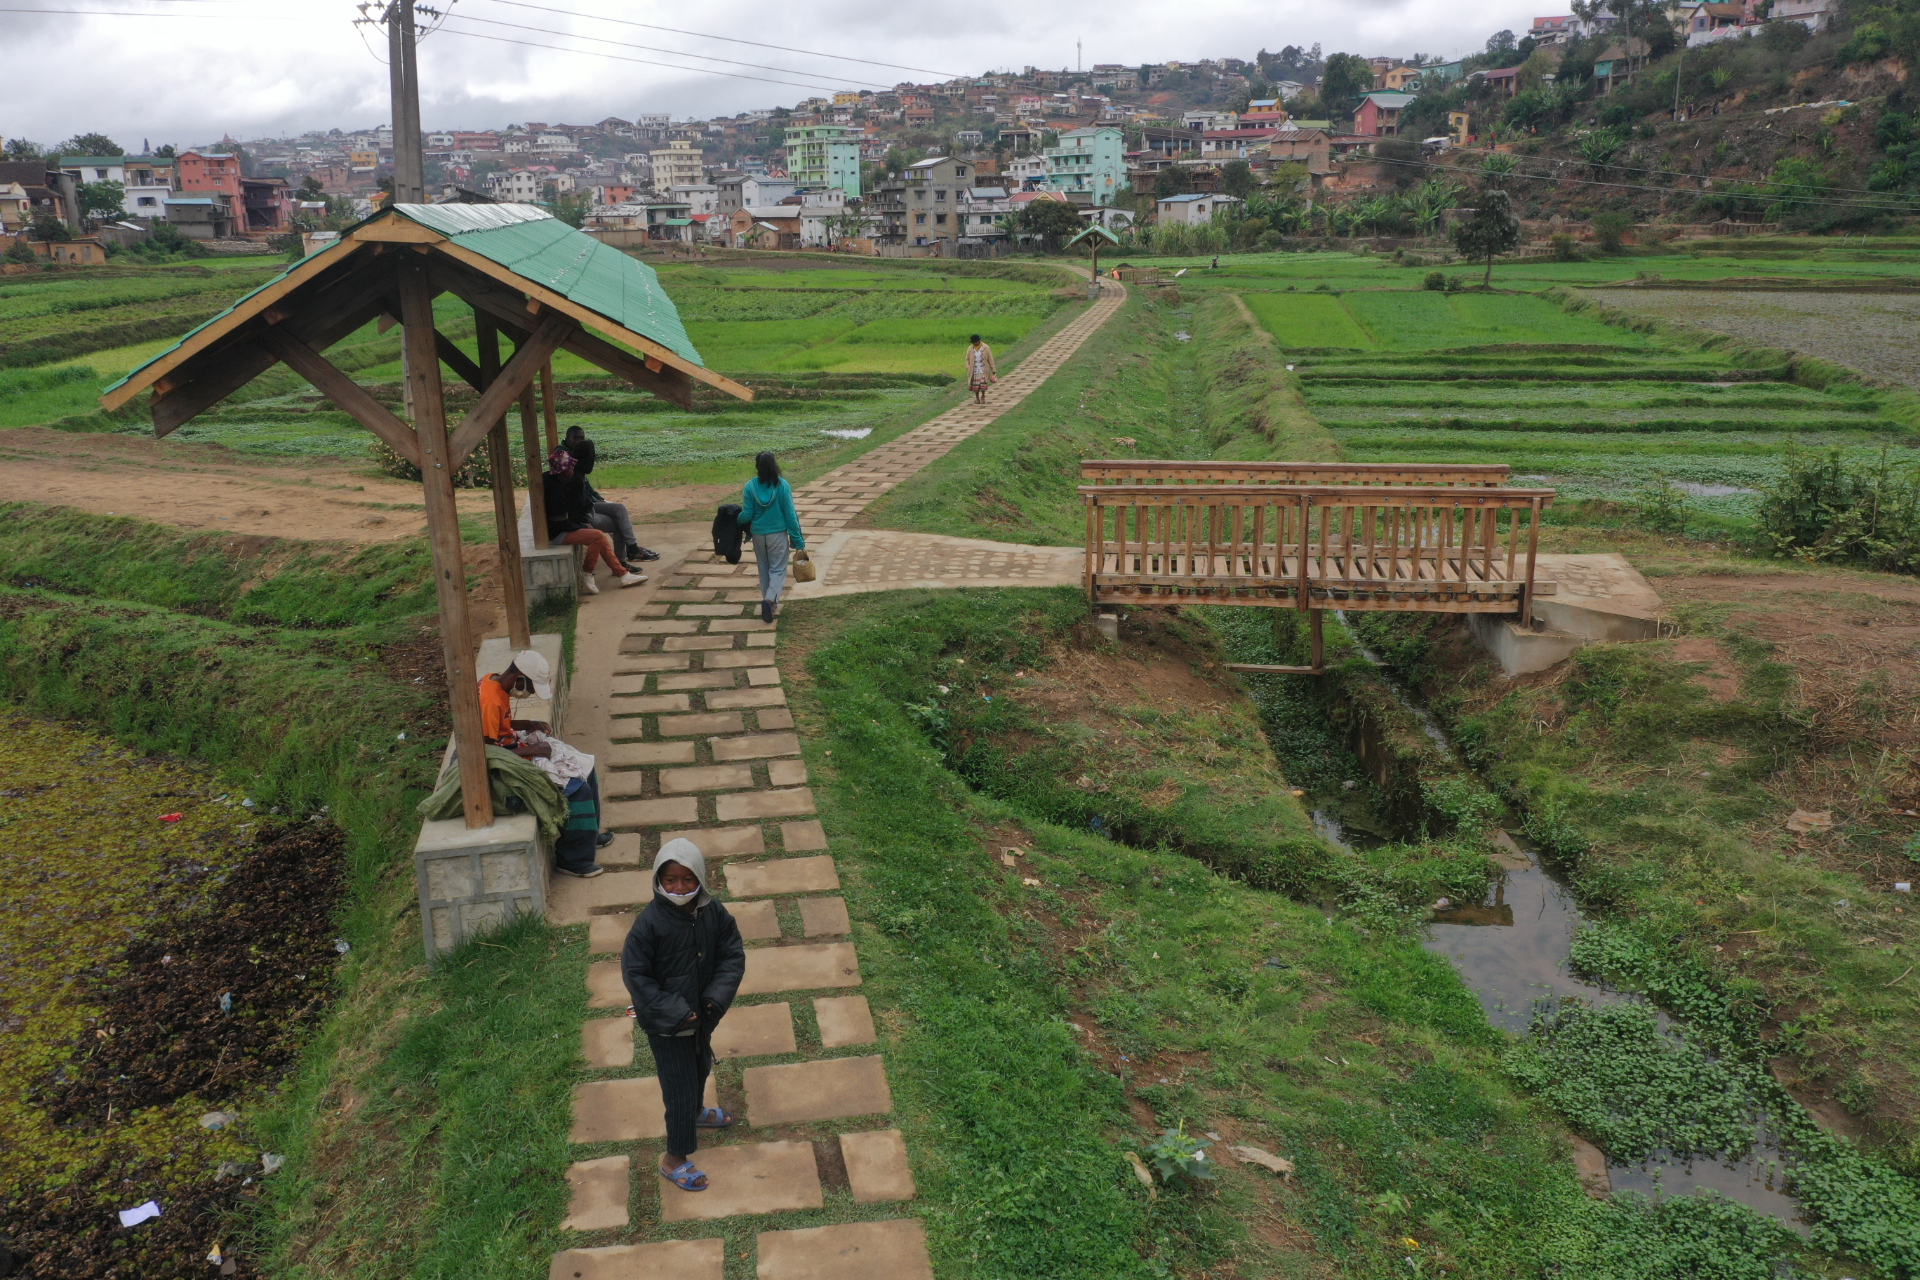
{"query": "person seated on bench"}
pixel 608 517
pixel 570 521
pixel 530 676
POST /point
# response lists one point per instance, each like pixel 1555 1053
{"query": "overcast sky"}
pixel 253 68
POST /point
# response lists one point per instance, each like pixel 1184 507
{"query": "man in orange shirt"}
pixel 529 675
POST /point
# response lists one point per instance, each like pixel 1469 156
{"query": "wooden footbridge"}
pixel 1311 537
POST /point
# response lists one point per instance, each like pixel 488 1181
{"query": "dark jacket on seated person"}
pixel 569 504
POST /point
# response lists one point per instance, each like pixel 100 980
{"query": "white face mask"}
pixel 681 899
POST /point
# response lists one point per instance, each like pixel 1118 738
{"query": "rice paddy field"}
pixel 833 352
pixel 1601 412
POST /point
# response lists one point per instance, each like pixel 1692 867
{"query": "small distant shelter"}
pixel 1095 235
pixel 525 274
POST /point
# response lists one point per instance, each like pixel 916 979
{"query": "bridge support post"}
pixel 1315 618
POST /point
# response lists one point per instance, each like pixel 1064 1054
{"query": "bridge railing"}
pixel 1445 549
pixel 1207 471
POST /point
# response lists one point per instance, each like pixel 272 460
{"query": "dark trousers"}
pixel 575 846
pixel 684 1062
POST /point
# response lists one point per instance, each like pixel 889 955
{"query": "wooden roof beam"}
pixel 505 389
pixel 510 309
pixel 349 396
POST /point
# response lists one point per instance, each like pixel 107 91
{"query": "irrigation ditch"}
pixel 1645 1053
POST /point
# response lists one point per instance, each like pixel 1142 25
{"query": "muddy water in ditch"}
pixel 1512 950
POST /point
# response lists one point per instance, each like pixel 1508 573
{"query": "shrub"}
pixel 475 473
pixel 1435 281
pixel 1868 42
pixel 1563 247
pixel 1663 507
pixel 1824 509
pixel 1608 228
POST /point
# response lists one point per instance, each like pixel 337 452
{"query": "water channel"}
pixel 1512 950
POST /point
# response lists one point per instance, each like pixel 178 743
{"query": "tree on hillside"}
pixel 1174 180
pixel 1492 230
pixel 22 149
pixel 1347 76
pixel 1054 221
pixel 90 144
pixel 1236 178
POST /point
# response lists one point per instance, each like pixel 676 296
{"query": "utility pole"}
pixel 409 164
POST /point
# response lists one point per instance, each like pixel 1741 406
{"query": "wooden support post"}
pixel 443 532
pixel 548 406
pixel 536 465
pixel 506 519
pixel 1314 619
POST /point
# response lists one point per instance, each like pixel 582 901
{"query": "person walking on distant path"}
pixel 767 514
pixel 682 965
pixel 608 517
pixel 980 371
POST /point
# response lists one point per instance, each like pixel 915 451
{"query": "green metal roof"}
pixel 537 246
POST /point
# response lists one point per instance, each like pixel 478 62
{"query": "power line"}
pixel 649 62
pixel 680 53
pixel 707 35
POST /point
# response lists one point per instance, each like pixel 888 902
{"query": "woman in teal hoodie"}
pixel 767 514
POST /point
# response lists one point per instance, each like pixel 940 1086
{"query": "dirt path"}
pixel 209 486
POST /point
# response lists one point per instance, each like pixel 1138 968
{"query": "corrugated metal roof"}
pixel 534 244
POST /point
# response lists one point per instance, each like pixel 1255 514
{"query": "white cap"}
pixel 535 668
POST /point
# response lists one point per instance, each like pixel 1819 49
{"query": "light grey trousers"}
pixel 770 555
pixel 611 517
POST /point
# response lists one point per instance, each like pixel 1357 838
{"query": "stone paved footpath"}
pixel 685 706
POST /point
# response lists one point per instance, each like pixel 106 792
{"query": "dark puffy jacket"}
pixel 675 964
pixel 568 506
pixel 726 532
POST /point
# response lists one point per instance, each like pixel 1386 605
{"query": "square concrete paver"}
pixel 623 851
pixel 647 704
pixel 758 921
pixel 627 663
pixel 775 718
pixel 756 746
pixel 607 1042
pixel 844 1021
pixel 700 723
pixel 829 1089
pixel 681 644
pixel 721 842
pixel 599 1193
pixel 711 777
pixel 824 915
pixel 625 1110
pixel 894 1250
pixel 764 641
pixel 571 900
pixel 808 967
pixel 755 1030
pixel 696 680
pixel 758 676
pixel 607 934
pixel 798 837
pixel 787 773
pixel 877 1166
pixel 752 1177
pixel 606 989
pixel 728 699
pixel 737 658
pixel 668 1260
pixel 676 810
pixel 786 875
pixel 662 627
pixel 749 805
pixel 634 755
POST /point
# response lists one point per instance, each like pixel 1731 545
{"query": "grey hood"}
pixel 687 854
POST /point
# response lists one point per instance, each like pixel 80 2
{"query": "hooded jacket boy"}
pixel 676 963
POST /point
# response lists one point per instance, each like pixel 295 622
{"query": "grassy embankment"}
pixel 424 1124
pixel 1051 1015
pixel 1005 483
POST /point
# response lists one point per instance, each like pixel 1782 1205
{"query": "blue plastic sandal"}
pixel 683 1177
pixel 713 1118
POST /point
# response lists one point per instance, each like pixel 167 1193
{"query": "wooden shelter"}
pixel 546 286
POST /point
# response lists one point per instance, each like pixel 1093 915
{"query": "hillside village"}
pixel 1311 143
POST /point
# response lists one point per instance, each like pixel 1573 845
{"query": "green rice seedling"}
pixel 1308 321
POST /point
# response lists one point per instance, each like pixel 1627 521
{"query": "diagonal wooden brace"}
pixel 349 396
pixel 547 338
